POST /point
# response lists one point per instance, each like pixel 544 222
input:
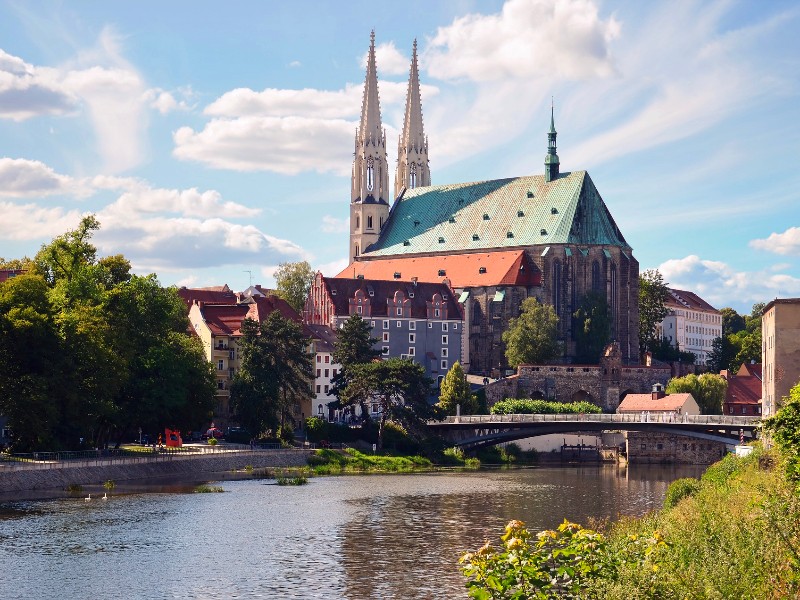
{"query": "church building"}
pixel 494 243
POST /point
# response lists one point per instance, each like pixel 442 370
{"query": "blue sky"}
pixel 212 139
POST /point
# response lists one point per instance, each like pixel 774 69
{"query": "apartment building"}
pixel 780 351
pixel 691 323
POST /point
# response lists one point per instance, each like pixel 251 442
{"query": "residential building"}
pixel 743 395
pixel 409 319
pixel 780 351
pixel 218 325
pixel 691 324
pixel 6 274
pixel 324 340
pixel 655 447
pixel 495 243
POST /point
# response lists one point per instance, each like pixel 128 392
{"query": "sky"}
pixel 214 140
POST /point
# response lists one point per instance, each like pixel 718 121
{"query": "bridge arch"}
pixel 537 395
pixel 583 396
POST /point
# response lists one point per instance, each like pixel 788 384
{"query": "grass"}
pixel 329 462
pixel 734 533
pixel 208 489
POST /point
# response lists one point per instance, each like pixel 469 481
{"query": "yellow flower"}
pixel 485 549
pixel 514 543
pixel 514 525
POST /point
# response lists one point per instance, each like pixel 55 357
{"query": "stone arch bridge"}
pixel 478 431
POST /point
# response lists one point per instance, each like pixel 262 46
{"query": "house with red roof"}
pixel 743 396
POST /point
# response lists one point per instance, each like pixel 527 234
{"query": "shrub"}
pixel 208 489
pixel 212 441
pixel 531 406
pixel 680 489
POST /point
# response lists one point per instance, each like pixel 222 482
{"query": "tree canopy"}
pixel 275 374
pixel 740 341
pixel 532 338
pixel 89 353
pixel 592 326
pixel 455 390
pixel 653 295
pixel 293 281
pixel 708 390
pixel 354 345
pixel 398 386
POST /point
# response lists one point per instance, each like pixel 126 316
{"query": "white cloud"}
pixel 33 222
pixel 721 285
pixel 27 91
pixel 333 225
pixel 271 102
pixel 189 203
pixel 295 64
pixel 283 145
pixel 388 59
pixel 528 38
pixel 786 243
pixel 333 268
pixel 22 178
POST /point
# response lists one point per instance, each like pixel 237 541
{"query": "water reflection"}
pixel 395 536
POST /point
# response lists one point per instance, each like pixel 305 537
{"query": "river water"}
pixel 353 537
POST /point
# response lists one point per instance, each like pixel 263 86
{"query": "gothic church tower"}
pixel 369 207
pixel 412 149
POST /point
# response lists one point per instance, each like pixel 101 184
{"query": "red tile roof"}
pixel 508 267
pixel 639 402
pixel 750 370
pixel 226 319
pixel 743 390
pixel 686 299
pixel 218 294
pixel 6 274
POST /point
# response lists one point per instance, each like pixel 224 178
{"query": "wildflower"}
pixel 485 549
pixel 514 524
pixel 514 543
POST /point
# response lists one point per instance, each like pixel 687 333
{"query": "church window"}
pixel 596 277
pixel 370 175
pixel 381 223
pixel 369 222
pixel 357 253
pixel 557 287
pixel 613 298
pixel 413 175
pixel 358 222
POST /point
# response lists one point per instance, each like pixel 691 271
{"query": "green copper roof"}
pixel 503 213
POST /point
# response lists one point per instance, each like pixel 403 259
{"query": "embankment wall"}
pixel 178 466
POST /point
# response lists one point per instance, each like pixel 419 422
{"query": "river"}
pixel 354 537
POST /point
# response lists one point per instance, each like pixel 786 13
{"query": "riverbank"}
pixel 18 482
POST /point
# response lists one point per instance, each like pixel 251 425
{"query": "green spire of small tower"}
pixel 551 161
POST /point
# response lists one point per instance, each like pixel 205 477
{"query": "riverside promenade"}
pixel 42 471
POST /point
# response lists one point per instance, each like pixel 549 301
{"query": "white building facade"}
pixel 692 324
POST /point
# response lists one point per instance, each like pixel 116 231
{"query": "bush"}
pixel 212 441
pixel 531 406
pixel 680 489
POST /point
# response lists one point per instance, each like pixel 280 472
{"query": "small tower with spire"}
pixel 551 162
pixel 413 169
pixel 369 206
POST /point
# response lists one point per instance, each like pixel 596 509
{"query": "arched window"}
pixel 357 253
pixel 358 222
pixel 370 175
pixel 614 299
pixel 596 277
pixel 557 283
pixel 369 221
pixel 413 176
pixel 477 313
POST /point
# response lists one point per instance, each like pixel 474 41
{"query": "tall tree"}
pixel 732 321
pixel 722 355
pixel 592 326
pixel 293 281
pixel 653 295
pixel 533 336
pixel 399 387
pixel 455 390
pixel 275 373
pixel 354 345
pixel 708 390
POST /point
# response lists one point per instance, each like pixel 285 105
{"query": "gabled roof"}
pixel 324 336
pixel 743 390
pixel 505 267
pixel 341 291
pixel 750 370
pixel 502 213
pixel 685 299
pixel 226 319
pixel 218 294
pixel 639 402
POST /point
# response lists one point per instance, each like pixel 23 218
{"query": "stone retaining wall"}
pixel 179 466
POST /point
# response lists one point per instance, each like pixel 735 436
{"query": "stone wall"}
pixel 178 466
pixel 648 448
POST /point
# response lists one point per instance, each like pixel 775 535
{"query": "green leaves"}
pixel 532 338
pixel 293 281
pixel 653 295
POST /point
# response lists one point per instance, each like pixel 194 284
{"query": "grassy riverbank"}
pixel 733 533
pixel 328 462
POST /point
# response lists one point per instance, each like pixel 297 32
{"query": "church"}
pixel 494 243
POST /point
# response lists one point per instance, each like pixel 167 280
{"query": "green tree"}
pixel 275 373
pixel 532 338
pixel 354 345
pixel 784 427
pixel 592 326
pixel 723 354
pixel 455 390
pixel 708 390
pixel 399 387
pixel 653 295
pixel 732 322
pixel 293 281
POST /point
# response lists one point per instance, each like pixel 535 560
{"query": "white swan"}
pixel 105 496
pixel 88 498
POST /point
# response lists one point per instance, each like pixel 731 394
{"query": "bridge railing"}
pixel 606 418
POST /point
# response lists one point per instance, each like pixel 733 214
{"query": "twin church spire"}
pixel 369 194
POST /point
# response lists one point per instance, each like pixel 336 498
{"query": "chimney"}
pixel 658 391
